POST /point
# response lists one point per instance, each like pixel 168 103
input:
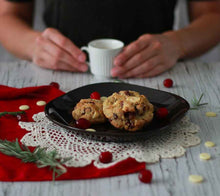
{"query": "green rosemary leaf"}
pixel 3 113
pixel 17 146
pixel 11 113
pixel 64 160
pixel 39 156
pixel 118 81
pixel 201 104
pixel 196 102
pixel 26 148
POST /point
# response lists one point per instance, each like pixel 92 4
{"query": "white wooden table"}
pixel 171 175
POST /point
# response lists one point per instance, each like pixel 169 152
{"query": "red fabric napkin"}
pixel 13 169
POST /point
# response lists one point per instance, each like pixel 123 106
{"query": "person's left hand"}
pixel 148 56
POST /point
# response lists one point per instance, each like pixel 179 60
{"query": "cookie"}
pixel 90 109
pixel 128 110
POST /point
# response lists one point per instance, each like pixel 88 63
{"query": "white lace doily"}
pixel 169 144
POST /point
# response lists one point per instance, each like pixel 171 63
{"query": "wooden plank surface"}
pixel 171 175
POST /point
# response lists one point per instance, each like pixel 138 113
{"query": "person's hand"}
pixel 52 50
pixel 148 56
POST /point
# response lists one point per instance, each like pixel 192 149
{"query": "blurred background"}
pixel 181 20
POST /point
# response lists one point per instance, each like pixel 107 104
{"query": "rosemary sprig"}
pixel 118 81
pixel 196 102
pixel 38 156
pixel 11 113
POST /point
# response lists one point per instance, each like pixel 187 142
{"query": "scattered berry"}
pixel 168 82
pixel 145 176
pixel 55 84
pixel 105 157
pixel 95 95
pixel 82 123
pixel 162 113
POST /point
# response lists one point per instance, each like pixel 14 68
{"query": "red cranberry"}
pixel 168 83
pixel 145 176
pixel 95 95
pixel 162 113
pixel 55 84
pixel 105 157
pixel 22 117
pixel 82 123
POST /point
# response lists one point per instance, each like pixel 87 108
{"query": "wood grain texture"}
pixel 170 176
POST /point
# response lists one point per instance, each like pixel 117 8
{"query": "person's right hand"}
pixel 53 50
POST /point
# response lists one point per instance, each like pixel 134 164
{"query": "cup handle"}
pixel 87 50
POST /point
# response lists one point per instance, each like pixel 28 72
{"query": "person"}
pixel 152 47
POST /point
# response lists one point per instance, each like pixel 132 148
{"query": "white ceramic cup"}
pixel 101 54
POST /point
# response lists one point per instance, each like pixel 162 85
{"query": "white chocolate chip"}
pixel 195 178
pixel 211 114
pixel 103 98
pixel 205 156
pixel 91 130
pixel 133 99
pixel 41 103
pixel 95 115
pixel 209 144
pixel 23 107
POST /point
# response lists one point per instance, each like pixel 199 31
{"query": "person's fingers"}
pixel 132 49
pixel 145 67
pixel 154 72
pixel 65 43
pixel 59 54
pixel 46 60
pixel 138 59
pixel 40 60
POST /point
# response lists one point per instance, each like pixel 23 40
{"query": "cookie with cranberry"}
pixel 89 109
pixel 128 110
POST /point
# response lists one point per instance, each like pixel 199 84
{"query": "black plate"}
pixel 59 111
